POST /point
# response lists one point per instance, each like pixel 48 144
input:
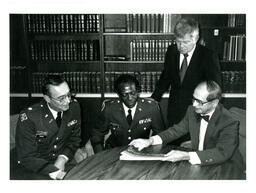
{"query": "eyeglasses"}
pixel 201 102
pixel 62 98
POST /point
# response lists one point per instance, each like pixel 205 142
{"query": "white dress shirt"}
pixel 133 109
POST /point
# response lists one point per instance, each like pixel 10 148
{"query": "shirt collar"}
pixel 209 114
pixel 132 109
pixel 190 53
pixel 54 113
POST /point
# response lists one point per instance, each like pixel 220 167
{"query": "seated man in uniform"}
pixel 126 118
pixel 48 133
pixel 213 131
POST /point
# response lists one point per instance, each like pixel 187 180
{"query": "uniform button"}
pixel 57 138
pixel 53 154
pixel 129 138
pixel 18 162
pixel 55 146
pixel 129 130
pixel 114 128
pixel 145 128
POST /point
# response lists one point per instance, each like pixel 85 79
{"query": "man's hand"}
pixel 176 155
pixel 89 148
pixel 141 143
pixel 60 163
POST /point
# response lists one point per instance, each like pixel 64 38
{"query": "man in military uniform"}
pixel 48 133
pixel 126 118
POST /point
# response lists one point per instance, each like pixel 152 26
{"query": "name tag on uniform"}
pixel 41 134
pixel 148 120
pixel 71 123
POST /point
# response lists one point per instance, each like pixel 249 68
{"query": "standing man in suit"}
pixel 213 131
pixel 126 118
pixel 186 65
pixel 48 133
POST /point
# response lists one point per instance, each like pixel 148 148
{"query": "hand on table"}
pixel 89 148
pixel 176 155
pixel 141 143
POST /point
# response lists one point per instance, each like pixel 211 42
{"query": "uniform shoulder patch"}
pixel 74 100
pixel 23 117
pixel 149 101
pixel 104 103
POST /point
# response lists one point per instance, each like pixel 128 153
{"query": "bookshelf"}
pixel 91 50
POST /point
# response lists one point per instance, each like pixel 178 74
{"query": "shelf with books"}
pixel 79 95
pixel 166 95
pixel 66 44
pixel 84 36
pixel 136 34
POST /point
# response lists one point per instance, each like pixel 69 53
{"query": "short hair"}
pixel 214 90
pixel 186 26
pixel 52 79
pixel 126 78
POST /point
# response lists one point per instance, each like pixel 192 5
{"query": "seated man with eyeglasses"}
pixel 127 118
pixel 213 131
pixel 48 133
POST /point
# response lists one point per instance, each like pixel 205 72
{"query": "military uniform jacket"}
pixel 147 118
pixel 221 137
pixel 39 140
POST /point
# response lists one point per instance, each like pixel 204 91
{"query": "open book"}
pixel 155 152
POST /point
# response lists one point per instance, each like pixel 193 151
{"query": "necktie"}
pixel 205 117
pixel 58 119
pixel 183 68
pixel 129 117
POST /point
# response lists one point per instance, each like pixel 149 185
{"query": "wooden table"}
pixel 107 166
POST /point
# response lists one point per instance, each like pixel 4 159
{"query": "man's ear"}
pixel 47 98
pixel 216 102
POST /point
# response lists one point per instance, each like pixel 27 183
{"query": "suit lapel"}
pixel 192 64
pixel 211 125
pixel 64 120
pixel 122 118
pixel 49 121
pixel 195 131
pixel 137 113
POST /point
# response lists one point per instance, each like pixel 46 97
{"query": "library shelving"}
pixel 91 50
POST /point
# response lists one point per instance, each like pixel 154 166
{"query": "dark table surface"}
pixel 107 166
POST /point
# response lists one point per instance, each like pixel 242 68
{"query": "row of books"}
pixel 90 82
pixel 149 50
pixel 233 81
pixel 79 82
pixel 147 80
pixel 236 20
pixel 62 23
pixel 151 23
pixel 234 48
pixel 64 50
pixel 18 79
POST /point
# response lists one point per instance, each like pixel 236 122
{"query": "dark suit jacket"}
pixel 221 138
pixel 147 118
pixel 39 140
pixel 204 65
